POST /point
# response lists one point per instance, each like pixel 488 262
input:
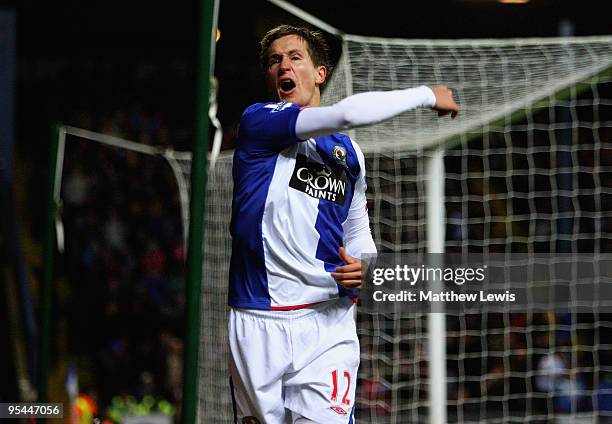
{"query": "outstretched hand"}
pixel 445 103
pixel 348 275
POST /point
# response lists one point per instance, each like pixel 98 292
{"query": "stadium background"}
pixel 128 70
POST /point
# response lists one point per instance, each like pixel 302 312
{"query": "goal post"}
pixel 206 59
pixel 436 324
pixel 55 150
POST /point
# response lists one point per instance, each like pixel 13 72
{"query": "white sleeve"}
pixel 361 109
pixel 357 235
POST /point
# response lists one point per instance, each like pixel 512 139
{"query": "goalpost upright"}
pixel 436 322
pixel 206 62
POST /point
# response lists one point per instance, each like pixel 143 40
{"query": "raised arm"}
pixel 371 108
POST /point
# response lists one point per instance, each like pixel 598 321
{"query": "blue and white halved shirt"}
pixel 291 199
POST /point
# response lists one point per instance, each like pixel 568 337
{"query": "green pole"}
pixel 49 257
pixel 205 60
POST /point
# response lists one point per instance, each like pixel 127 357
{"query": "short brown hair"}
pixel 317 46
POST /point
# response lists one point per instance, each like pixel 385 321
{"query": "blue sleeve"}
pixel 268 126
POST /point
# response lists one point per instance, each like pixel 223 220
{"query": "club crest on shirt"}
pixel 340 155
pixel 319 180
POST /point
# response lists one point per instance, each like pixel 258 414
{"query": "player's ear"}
pixel 321 74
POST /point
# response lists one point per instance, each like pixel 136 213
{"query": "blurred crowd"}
pixel 124 260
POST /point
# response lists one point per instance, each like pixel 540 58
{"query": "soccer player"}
pixel 299 228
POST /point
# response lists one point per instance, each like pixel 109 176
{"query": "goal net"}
pixel 528 169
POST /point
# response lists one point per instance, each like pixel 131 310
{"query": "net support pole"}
pixel 436 324
pixel 205 60
pixel 49 257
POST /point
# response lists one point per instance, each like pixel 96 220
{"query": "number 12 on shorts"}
pixel 334 395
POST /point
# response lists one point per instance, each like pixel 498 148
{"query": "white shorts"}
pixel 290 364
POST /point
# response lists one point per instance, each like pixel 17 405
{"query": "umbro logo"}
pixel 277 107
pixel 338 410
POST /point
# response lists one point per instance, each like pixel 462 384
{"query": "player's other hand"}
pixel 445 103
pixel 348 275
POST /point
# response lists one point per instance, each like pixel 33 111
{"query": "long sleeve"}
pixel 361 109
pixel 357 235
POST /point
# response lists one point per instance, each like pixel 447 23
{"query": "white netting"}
pixel 528 169
pixel 492 79
pixel 214 394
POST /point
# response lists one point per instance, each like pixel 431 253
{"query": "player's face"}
pixel 291 74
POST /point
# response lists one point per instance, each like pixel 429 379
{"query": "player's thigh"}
pixel 324 389
pixel 249 407
pixel 257 363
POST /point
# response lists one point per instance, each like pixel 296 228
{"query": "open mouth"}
pixel 286 86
